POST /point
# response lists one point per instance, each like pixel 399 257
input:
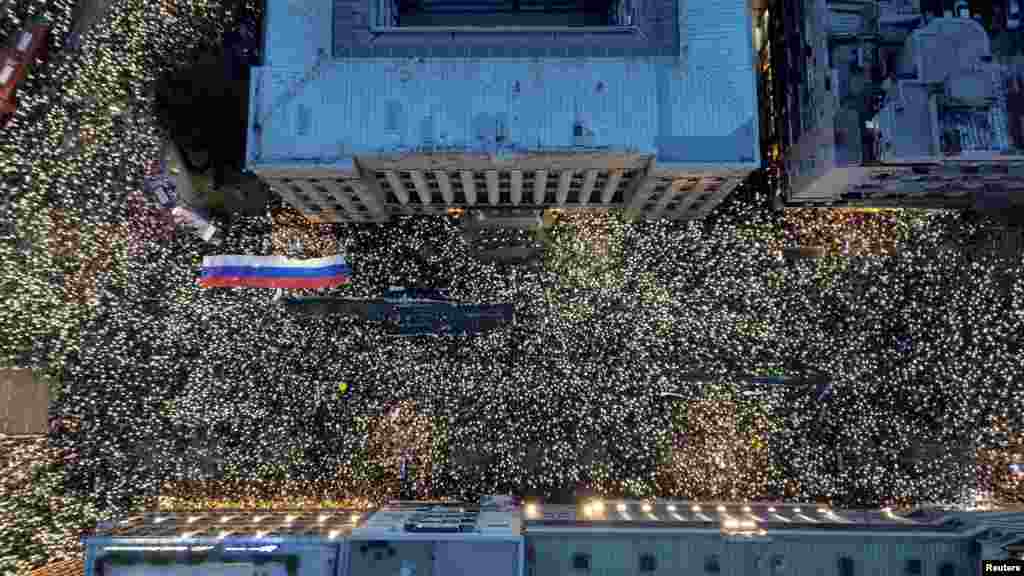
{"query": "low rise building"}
pixel 595 537
pixel 882 103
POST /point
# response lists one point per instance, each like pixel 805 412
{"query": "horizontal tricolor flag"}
pixel 274 272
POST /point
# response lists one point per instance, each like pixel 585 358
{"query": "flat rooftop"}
pixel 686 515
pixel 311 107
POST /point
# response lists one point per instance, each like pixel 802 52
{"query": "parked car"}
pixel 27 46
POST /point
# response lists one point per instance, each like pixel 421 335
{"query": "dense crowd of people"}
pixel 921 349
pixel 636 366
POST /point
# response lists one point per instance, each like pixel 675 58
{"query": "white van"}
pixel 197 223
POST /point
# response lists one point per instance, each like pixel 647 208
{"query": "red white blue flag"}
pixel 274 272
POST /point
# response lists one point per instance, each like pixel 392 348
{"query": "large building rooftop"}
pixel 316 105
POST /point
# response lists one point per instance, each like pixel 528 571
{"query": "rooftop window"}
pixel 503 14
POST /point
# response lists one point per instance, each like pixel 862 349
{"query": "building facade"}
pixel 750 539
pixel 503 538
pixel 901 103
pixel 366 109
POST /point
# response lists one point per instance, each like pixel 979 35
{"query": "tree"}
pixel 201 107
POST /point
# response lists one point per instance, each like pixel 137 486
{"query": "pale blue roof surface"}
pixel 698 108
pixel 294 32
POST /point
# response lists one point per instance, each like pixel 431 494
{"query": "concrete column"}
pixel 933 115
pixel 642 191
pixel 517 187
pixel 493 195
pixel 446 186
pixel 540 184
pixel 588 186
pixel 421 186
pixel 310 190
pixel 468 186
pixel 611 185
pixel 564 179
pixel 336 190
pixel 688 200
pixel 370 195
pixel 673 191
pixel 396 185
